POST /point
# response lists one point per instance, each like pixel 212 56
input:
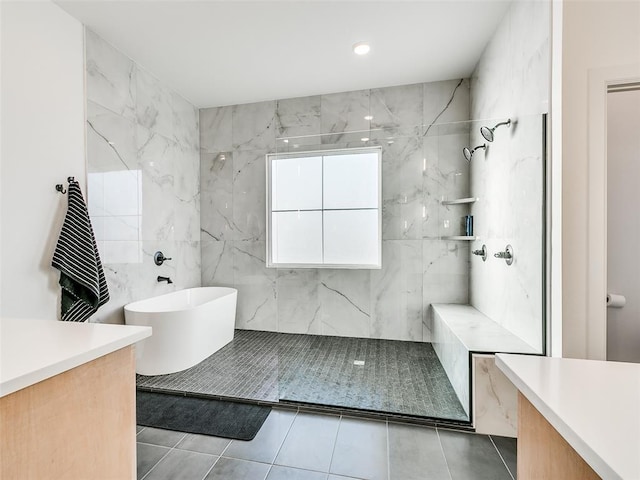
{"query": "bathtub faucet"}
pixel 164 279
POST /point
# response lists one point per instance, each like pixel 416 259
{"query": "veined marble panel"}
pixel 345 302
pixel 495 399
pixel 217 263
pixel 343 112
pixel 454 357
pixel 111 139
pixel 188 265
pixel 216 197
pixel 512 80
pixel 153 104
pixel 298 301
pixel 445 272
pixel 511 181
pixel 249 195
pixel 397 108
pixel 396 292
pixel 402 192
pixel 256 284
pixel 298 117
pixel 444 102
pixel 143 163
pixel 215 129
pixel 111 77
pixel 254 126
pixel 185 122
pixel 157 155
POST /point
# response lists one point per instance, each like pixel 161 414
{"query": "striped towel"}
pixel 84 287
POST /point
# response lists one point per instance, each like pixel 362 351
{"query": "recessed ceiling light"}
pixel 361 48
pixel 365 139
pixel 286 141
pixel 368 117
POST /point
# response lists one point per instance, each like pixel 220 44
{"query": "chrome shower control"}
pixel 159 258
pixel 507 255
pixel 482 253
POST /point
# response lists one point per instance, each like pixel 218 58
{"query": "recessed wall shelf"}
pixel 459 237
pixel 459 201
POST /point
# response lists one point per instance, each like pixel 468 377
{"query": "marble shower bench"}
pixel 466 342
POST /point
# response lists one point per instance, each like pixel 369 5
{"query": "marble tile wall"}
pixel 495 398
pixel 512 80
pixel 421 166
pixel 454 357
pixel 144 178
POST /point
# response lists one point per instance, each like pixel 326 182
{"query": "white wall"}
pixel 42 92
pixel 596 34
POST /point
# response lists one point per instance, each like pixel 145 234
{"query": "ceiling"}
pixel 230 52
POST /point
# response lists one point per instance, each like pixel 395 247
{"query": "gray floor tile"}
pixel 232 469
pixel 182 465
pixel 266 444
pixel 147 457
pixel 472 457
pixel 203 444
pixel 361 449
pixel 309 444
pixel 139 429
pixel 340 477
pixel 415 453
pixel 157 436
pixel 508 448
pixel 287 473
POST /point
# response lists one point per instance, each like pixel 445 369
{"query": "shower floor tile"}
pixel 397 377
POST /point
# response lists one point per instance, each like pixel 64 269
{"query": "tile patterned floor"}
pixel 295 445
pixel 397 377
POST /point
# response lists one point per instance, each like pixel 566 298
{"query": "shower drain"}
pixel 360 363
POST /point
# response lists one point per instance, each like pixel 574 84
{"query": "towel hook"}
pixel 60 188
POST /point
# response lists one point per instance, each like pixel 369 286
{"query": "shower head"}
pixel 468 153
pixel 487 132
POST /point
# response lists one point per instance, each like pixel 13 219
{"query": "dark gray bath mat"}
pixel 238 421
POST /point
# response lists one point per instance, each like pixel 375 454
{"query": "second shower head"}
pixel 468 153
pixel 487 132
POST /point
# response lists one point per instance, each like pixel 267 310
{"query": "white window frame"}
pixel 270 157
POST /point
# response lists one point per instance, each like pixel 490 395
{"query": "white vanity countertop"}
pixel 34 350
pixel 594 405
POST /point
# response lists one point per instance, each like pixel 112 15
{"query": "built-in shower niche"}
pixel 428 188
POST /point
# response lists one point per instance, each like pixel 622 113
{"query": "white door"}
pixel 623 222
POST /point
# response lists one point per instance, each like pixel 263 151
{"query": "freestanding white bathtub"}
pixel 188 326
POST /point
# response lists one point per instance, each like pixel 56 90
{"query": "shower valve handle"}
pixel 507 255
pixel 159 258
pixel 481 253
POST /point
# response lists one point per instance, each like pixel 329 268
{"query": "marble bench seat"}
pixel 460 331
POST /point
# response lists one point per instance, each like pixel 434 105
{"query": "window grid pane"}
pixel 348 231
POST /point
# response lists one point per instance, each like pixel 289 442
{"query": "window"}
pixel 323 209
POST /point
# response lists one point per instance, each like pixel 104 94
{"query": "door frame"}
pixel 599 81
